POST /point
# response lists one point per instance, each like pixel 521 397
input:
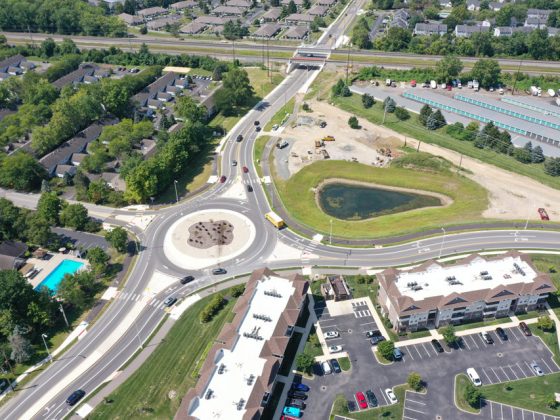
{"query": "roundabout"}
pixel 208 237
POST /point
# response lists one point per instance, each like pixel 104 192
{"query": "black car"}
pixel 257 123
pixel 258 129
pixel 501 333
pixel 75 397
pixel 323 124
pixel 371 398
pixel 298 395
pixel 486 337
pixel 217 271
pixel 335 365
pixel 376 339
pixel 437 346
pixel 249 188
pixel 351 406
pixel 240 138
pixel 372 333
pixel 296 403
pixel 525 329
pixel 187 279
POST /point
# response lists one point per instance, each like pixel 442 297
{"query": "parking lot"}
pixel 496 411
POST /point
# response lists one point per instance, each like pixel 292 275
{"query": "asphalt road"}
pixel 95 357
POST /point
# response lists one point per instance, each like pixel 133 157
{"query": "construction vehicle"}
pixel 328 138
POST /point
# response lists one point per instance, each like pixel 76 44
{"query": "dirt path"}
pixel 511 196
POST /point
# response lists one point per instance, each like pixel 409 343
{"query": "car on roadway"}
pixel 292 402
pixel 371 398
pixel 75 397
pixel 223 179
pixel 473 376
pixel 239 138
pixel 361 399
pixel 217 271
pixel 298 395
pixel 500 332
pixel 335 349
pixel 391 396
pixel 537 369
pixel 187 279
pixel 486 337
pixel 258 128
pixel 437 346
pixel 372 333
pixel 300 387
pixel 249 188
pixel 525 329
pixel 233 163
pixel 397 353
pixel 332 334
pixel 292 411
pixel 169 301
pixel 336 366
pixel 275 127
pixel 245 169
pixel 376 339
pixel 257 122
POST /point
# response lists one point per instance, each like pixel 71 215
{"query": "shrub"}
pixel 367 100
pixel 415 381
pixel 385 349
pixel 238 290
pixel 401 113
pixel 545 323
pixel 212 308
pixel 353 123
pixel 472 395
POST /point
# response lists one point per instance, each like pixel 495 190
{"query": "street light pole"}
pixel 43 336
pixel 176 195
pixel 64 315
pixel 330 236
pixel 442 242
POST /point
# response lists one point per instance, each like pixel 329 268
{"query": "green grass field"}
pixel 413 129
pixel 469 199
pixel 344 363
pixel 173 366
pixel 461 382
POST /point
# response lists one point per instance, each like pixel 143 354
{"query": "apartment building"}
pixel 477 287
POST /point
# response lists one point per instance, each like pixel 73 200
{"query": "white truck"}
pixel 552 93
pixel 388 82
pixel 475 85
pixel 433 84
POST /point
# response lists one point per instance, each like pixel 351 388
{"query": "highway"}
pixel 128 321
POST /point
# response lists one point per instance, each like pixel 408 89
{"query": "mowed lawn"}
pixel 171 369
pixel 469 198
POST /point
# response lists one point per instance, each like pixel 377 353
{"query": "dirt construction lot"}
pixel 511 196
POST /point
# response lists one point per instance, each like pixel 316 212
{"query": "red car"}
pixel 360 397
pixel 287 418
pixel 223 179
pixel 245 169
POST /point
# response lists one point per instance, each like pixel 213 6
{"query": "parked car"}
pixel 537 369
pixel 323 124
pixel 245 169
pixel 233 163
pixel 397 353
pixel 437 346
pixel 371 398
pixel 75 397
pixel 300 387
pixel 332 334
pixel 239 138
pixel 299 395
pixel 351 406
pixel 296 403
pixel 501 333
pixel 287 418
pixel 391 396
pixel 217 271
pixel 249 188
pixel 336 366
pixel 292 411
pixel 361 399
pixel 326 368
pixel 473 376
pixel 223 179
pixel 525 329
pixel 187 279
pixel 376 339
pixel 486 337
pixel 335 349
pixel 169 301
pixel 372 333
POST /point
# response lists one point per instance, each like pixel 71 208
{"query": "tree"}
pixel 360 34
pixel 353 122
pixel 118 238
pixel 238 290
pixel 415 381
pixel 187 108
pixel 38 230
pixel 522 155
pixel 389 104
pixel 48 207
pixel 98 260
pixel 48 47
pixel 236 90
pixel 472 395
pixel 538 44
pixel 306 4
pixel 304 362
pixel 448 333
pixel 74 216
pixel 552 166
pixel 292 8
pixel 435 121
pixel 537 155
pixel 21 346
pixel 397 39
pixel 425 113
pixel 487 72
pixel 401 113
pixel 448 68
pixel 545 323
pixel 367 100
pixel 551 401
pixel 12 221
pixel 21 172
pixel 385 349
pixel 45 186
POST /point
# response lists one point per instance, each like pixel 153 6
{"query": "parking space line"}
pixel 521 369
pixel 505 373
pixel 546 364
pixel 416 411
pixel 431 346
pixel 466 344
pixel 414 401
pixel 491 411
pixel 494 372
pixel 409 353
pixel 414 346
pixel 514 374
pixel 502 410
pixel 384 397
pixel 473 340
pixel 512 417
pixel 511 330
pixel 487 377
pixel 410 418
pixel 427 352
pixel 367 323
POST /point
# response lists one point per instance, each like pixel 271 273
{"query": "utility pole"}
pixel 43 336
pixel 442 242
pixel 176 195
pixel 348 66
pixel 63 314
pixel 330 236
pixel 7 361
pixel 516 76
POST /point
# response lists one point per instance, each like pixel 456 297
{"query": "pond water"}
pixel 357 202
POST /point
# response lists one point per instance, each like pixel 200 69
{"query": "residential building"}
pixel 318 10
pixel 61 170
pixel 227 11
pixel 159 92
pixel 328 3
pixel 539 13
pixel 336 289
pixel 151 12
pixel 298 3
pixel 296 32
pixel 213 20
pixel 268 30
pixel 130 20
pixel 430 29
pixel 535 23
pixel 12 255
pixel 445 4
pixel 272 14
pixel 15 65
pixel 192 28
pixel 465 31
pixel 496 6
pixel 244 4
pixel 162 23
pixel 77 76
pixel 240 370
pixel 474 288
pixel 299 19
pixel 114 181
pixel 183 5
pixel 473 5
pixel 504 31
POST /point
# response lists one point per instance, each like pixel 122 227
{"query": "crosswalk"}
pixel 139 297
pixel 361 309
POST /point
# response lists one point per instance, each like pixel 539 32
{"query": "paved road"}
pixel 130 319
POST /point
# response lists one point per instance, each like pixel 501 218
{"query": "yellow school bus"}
pixel 276 220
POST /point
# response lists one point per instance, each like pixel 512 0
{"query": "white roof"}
pixel 243 359
pixel 433 281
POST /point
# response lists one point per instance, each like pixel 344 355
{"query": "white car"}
pixel 331 334
pixel 391 396
pixel 473 376
pixel 537 369
pixel 335 349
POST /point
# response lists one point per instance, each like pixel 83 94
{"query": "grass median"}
pixel 469 198
pixel 156 388
pixel 394 411
pixel 461 384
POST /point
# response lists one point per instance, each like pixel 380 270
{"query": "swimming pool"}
pixel 55 276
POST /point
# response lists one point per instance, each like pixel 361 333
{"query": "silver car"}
pixel 537 369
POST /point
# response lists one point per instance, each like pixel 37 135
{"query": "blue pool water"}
pixel 55 276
